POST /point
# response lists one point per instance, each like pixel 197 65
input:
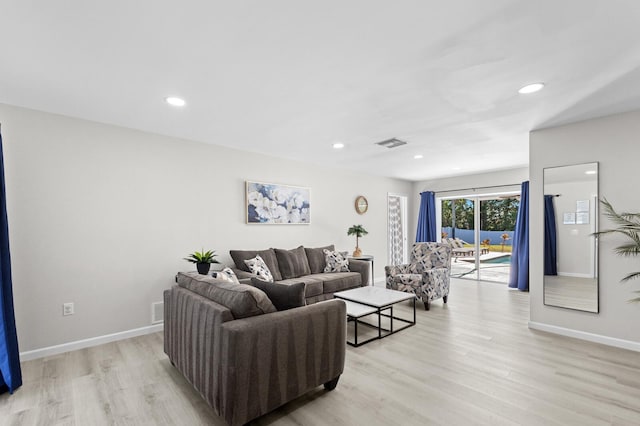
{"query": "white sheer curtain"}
pixel 396 231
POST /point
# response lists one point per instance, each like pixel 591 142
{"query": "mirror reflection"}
pixel 571 250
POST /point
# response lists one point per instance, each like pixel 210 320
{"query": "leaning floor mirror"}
pixel 571 249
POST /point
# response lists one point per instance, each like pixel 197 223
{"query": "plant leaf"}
pixel 631 276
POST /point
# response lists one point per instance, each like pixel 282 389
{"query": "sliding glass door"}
pixel 458 228
pixel 480 229
pixel 497 223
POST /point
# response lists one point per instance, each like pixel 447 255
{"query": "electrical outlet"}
pixel 67 308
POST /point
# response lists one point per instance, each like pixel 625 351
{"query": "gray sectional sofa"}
pixel 244 357
pixel 305 265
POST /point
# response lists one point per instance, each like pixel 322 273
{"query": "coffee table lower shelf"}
pixel 358 310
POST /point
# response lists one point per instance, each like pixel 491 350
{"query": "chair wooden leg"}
pixel 426 305
pixel 444 298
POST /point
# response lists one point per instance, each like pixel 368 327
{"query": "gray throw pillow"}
pixel 293 263
pixel 283 296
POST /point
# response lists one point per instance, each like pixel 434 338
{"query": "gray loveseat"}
pixel 244 357
pixel 305 265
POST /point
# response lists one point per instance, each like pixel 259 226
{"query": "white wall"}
pixel 461 185
pixel 575 254
pixel 102 216
pixel 613 142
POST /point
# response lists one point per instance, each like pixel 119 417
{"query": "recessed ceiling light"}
pixel 531 88
pixel 417 156
pixel 172 100
pixel 338 145
pixel 590 172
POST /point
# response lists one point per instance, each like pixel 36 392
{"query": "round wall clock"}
pixel 362 205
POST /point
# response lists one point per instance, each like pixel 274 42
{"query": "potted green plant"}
pixel 203 260
pixel 504 237
pixel 627 224
pixel 358 231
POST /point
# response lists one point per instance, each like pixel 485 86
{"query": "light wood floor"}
pixel 571 292
pixel 471 362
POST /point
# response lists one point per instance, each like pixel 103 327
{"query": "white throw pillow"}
pixel 259 268
pixel 226 274
pixel 336 261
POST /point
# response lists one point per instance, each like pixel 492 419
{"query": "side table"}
pixel 369 259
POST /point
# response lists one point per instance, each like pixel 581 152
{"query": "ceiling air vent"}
pixel 391 143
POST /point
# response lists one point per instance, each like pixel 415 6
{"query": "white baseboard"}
pixel 583 335
pixel 574 275
pixel 87 343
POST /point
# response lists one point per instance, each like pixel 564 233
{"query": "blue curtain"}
pixel 10 374
pixel 550 245
pixel 427 218
pixel 519 277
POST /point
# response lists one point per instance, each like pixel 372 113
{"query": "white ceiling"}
pixel 289 77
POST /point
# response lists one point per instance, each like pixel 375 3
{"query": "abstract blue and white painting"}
pixel 277 204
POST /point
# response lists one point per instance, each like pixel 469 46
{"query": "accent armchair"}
pixel 427 275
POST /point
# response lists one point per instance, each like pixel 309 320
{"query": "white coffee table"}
pixel 364 301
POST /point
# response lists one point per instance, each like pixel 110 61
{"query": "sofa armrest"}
pixel 391 271
pixel 271 359
pixel 363 267
pixel 192 326
pixel 398 269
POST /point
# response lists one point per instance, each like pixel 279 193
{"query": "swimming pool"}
pixel 502 259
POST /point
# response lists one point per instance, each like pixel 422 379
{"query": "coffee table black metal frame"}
pixel 358 308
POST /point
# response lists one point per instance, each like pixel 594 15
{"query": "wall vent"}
pixel 391 143
pixel 157 312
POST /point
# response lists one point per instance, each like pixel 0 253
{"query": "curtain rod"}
pixel 481 187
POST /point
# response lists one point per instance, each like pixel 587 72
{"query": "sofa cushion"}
pixel 241 299
pixel 269 257
pixel 313 284
pixel 315 256
pixel 292 263
pixel 259 268
pixel 282 296
pixel 335 261
pixel 338 281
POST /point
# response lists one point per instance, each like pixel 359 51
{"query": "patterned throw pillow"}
pixel 258 268
pixel 336 261
pixel 226 274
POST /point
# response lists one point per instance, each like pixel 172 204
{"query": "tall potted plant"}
pixel 627 224
pixel 203 260
pixel 358 231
